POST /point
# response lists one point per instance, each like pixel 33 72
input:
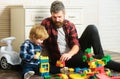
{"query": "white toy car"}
pixel 8 57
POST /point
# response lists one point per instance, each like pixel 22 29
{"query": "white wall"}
pixel 109 24
pixel 105 14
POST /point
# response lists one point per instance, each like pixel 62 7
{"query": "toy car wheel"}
pixel 4 63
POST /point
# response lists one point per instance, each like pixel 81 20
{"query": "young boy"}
pixel 29 48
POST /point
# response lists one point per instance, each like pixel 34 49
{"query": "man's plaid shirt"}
pixel 51 45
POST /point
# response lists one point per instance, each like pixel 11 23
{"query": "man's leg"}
pixel 113 65
pixel 90 38
pixel 77 61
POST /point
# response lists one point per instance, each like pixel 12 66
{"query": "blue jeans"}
pixel 29 67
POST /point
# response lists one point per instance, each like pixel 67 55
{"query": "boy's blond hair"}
pixel 38 32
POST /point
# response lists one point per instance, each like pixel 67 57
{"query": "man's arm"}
pixel 66 56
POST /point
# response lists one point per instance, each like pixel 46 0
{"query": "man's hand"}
pixel 65 57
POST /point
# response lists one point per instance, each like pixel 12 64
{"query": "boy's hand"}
pixel 36 57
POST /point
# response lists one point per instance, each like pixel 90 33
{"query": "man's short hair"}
pixel 57 6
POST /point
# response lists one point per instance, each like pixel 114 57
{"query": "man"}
pixel 63 43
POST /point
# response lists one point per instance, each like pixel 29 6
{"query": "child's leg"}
pixel 36 69
pixel 28 74
pixel 26 68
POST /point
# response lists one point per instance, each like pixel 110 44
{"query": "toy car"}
pixel 8 57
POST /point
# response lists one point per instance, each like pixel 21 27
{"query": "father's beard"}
pixel 59 24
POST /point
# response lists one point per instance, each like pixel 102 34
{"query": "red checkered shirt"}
pixel 51 45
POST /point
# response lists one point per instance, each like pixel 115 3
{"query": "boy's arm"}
pixel 24 53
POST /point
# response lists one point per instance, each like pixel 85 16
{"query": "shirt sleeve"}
pixel 73 36
pixel 25 52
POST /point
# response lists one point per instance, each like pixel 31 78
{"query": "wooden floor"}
pixel 15 73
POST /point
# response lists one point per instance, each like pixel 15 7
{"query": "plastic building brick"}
pixel 60 63
pixel 38 54
pixel 58 77
pixel 47 77
pixel 63 76
pixel 71 69
pixel 102 76
pixel 77 76
pixel 43 66
pixel 96 68
pixel 115 77
pixel 108 72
